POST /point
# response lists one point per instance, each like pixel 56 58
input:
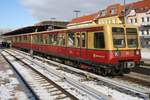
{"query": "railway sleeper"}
pixel 62 97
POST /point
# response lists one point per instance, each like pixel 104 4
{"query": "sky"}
pixel 20 13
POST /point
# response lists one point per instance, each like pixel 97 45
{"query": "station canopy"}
pixel 39 27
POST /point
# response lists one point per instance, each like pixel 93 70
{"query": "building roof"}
pixel 53 22
pixel 85 18
pixel 99 14
pixel 140 6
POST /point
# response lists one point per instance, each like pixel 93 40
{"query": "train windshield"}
pixel 132 37
pixel 118 35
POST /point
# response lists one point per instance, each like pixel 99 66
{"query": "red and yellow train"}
pixel 104 49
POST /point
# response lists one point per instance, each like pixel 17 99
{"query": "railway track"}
pixel 143 69
pixel 51 86
pixel 42 83
pixel 109 82
pixel 34 96
pixel 135 79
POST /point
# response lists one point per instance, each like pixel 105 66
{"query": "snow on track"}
pixel 76 88
pixel 102 88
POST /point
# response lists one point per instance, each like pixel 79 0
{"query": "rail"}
pixel 90 91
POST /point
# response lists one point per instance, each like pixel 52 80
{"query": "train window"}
pixel 132 37
pixel 37 38
pixel 34 39
pixel 71 39
pixel 19 38
pixel 28 38
pixel 25 38
pixel 60 39
pixel 13 39
pixel 117 30
pixel 99 40
pixel 45 39
pixel 50 39
pixel 40 38
pixel 118 37
pixel 83 39
pixel 55 40
pixel 78 40
pixel 131 30
pixel 119 41
pixel 64 40
pixel 16 39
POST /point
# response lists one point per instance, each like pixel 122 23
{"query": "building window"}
pixel 142 32
pixel 142 19
pixel 113 11
pixel 148 19
pixel 147 32
pixel 131 20
pixel 135 20
pixel 103 13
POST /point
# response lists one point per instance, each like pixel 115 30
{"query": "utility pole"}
pixel 124 12
pixel 77 12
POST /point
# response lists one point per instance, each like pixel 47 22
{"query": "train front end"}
pixel 125 51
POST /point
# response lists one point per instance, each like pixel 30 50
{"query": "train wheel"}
pixel 126 71
pixel 99 71
pixel 117 72
pixel 104 72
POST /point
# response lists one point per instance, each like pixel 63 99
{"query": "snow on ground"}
pixel 8 87
pixel 145 53
pixel 116 95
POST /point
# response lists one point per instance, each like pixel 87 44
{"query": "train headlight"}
pixel 137 52
pixel 117 53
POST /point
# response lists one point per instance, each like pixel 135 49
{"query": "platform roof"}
pixel 31 29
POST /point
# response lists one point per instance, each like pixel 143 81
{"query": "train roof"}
pixel 31 29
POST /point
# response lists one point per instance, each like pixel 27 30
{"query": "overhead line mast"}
pixel 124 13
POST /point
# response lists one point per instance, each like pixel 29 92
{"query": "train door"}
pixel 78 44
pixel 83 45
